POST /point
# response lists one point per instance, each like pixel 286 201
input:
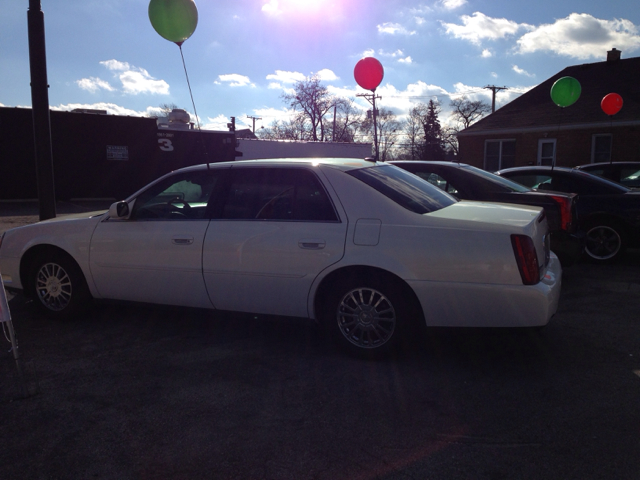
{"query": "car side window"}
pixel 179 197
pixel 630 177
pixel 276 194
pixel 438 181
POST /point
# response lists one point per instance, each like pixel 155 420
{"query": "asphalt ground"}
pixel 144 392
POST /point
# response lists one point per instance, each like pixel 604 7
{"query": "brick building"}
pixel 532 130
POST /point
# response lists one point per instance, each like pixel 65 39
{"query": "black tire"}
pixel 366 316
pixel 605 241
pixel 58 286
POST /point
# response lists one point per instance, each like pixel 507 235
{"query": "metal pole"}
pixel 5 317
pixel 375 126
pixel 40 110
pixel 333 134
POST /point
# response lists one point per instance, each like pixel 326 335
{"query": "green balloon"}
pixel 565 91
pixel 175 20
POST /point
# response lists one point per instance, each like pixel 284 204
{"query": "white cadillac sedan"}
pixel 366 249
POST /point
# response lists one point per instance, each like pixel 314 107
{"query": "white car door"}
pixel 156 254
pixel 274 232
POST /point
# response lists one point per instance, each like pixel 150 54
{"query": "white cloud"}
pixel 368 53
pixel 116 65
pixel 479 27
pixel 235 80
pixel 453 4
pixel 217 123
pixel 327 75
pixel 141 82
pixel 406 60
pixel 581 36
pixel 93 84
pixel 494 74
pixel 394 29
pixel 486 53
pixel 419 20
pixel 520 71
pixel 134 80
pixel 272 8
pixel 111 108
pixel 286 77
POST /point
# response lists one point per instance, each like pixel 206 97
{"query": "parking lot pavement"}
pixel 135 391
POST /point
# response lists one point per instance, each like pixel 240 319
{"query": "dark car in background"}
pixel 626 173
pixel 608 212
pixel 470 183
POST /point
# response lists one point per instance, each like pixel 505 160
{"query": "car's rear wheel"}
pixel 366 316
pixel 605 241
pixel 58 286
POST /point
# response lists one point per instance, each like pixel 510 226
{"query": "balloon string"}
pixel 189 85
pixel 206 154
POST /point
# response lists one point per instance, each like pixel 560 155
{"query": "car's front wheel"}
pixel 605 241
pixel 366 317
pixel 58 286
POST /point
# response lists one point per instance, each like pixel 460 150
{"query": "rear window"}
pixel 404 188
pixel 495 179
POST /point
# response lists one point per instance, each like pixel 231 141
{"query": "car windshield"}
pixel 404 188
pixel 505 182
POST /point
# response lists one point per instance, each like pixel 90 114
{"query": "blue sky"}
pixel 244 54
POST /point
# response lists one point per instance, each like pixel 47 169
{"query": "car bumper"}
pixel 447 304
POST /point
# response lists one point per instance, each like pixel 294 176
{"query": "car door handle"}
pixel 311 244
pixel 182 240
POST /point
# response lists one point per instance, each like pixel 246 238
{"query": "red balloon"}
pixel 368 73
pixel 611 103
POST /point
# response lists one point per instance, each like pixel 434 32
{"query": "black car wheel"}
pixel 604 242
pixel 58 286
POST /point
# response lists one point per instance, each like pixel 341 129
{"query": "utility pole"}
pixel 371 98
pixel 254 122
pixel 40 111
pixel 494 89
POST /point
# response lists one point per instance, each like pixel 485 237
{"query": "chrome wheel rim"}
pixel 366 318
pixel 603 242
pixel 53 286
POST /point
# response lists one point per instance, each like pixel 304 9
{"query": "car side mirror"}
pixel 119 210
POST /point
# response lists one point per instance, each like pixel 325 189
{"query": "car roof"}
pixel 540 168
pixel 571 171
pixel 339 163
pixel 430 162
pixel 604 164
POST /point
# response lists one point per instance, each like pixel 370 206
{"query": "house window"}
pixel 499 154
pixel 601 148
pixel 547 151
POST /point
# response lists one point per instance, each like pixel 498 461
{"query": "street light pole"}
pixel 40 111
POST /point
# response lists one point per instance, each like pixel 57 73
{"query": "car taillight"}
pixel 527 259
pixel 566 218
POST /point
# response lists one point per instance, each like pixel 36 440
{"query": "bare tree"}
pixel 465 113
pixel 424 133
pixel 312 101
pixel 346 121
pixel 389 130
pixel 294 129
